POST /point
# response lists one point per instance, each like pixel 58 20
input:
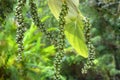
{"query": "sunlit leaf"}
pixel 11 61
pixel 45 18
pixel 55 7
pixel 74 25
pixel 74 34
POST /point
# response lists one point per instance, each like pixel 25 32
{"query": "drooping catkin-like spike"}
pixel 91 49
pixel 20 28
pixel 39 24
pixel 61 42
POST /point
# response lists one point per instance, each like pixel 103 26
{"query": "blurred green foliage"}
pixel 39 54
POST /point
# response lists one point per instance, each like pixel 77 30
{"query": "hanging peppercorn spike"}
pixel 20 28
pixel 61 42
pixel 91 49
pixel 39 24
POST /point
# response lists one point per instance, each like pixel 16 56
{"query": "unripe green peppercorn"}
pixel 20 28
pixel 60 41
pixel 91 49
pixel 39 24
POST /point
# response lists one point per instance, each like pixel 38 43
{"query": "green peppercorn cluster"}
pixel 38 23
pixel 61 41
pixel 20 28
pixel 91 49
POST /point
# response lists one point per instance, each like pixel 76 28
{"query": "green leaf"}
pixel 45 18
pixel 74 24
pixel 55 7
pixel 74 34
